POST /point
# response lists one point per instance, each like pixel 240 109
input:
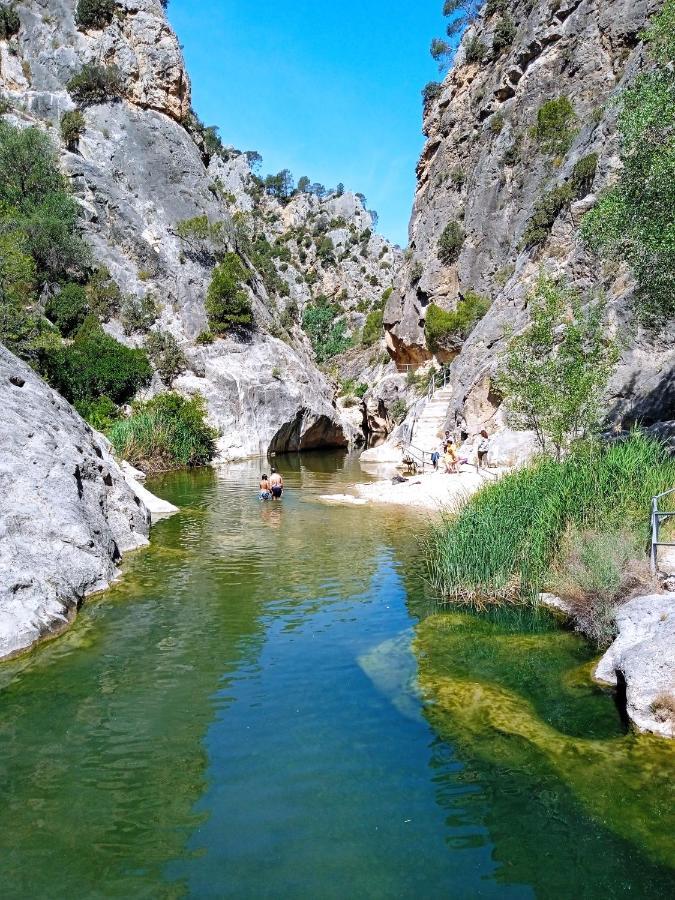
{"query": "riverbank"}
pixel 432 490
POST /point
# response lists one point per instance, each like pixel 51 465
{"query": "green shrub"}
pixel 447 330
pixel 497 122
pixel 554 132
pixel 431 91
pixel 204 338
pixel 398 410
pixel 325 330
pixel 167 432
pixel 94 13
pixel 500 545
pixel 10 23
pixel 72 125
pixel 96 365
pixel 39 242
pixel 227 305
pixel 505 33
pixel 165 355
pixel 660 36
pixel 554 373
pixel 104 297
pixel 633 221
pixel 548 208
pixel 475 50
pixel 594 571
pixel 138 314
pixel 67 309
pixel 95 84
pixel 450 243
pixel 372 330
pixel 101 413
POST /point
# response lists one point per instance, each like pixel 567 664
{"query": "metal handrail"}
pixel 657 517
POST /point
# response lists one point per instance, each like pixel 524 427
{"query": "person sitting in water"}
pixel 276 484
pixel 265 488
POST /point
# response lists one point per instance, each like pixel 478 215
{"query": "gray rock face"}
pixel 643 657
pixel 482 168
pixel 66 513
pixel 138 174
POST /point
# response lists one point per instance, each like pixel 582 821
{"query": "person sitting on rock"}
pixel 276 484
pixel 450 458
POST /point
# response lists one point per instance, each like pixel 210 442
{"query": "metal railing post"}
pixel 655 535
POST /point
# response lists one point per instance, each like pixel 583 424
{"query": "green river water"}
pixel 267 705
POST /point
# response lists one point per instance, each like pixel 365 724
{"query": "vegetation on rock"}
pixel 95 84
pixel 553 375
pixel 96 365
pixel 167 432
pixel 227 304
pixel 325 329
pixel 165 355
pixel 447 330
pixel 72 127
pixel 554 130
pixel 450 243
pixel 501 546
pixel 94 13
pixel 10 23
pixel 635 219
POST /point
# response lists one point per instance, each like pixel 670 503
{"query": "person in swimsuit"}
pixel 265 489
pixel 276 484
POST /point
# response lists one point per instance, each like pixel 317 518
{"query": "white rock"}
pixel 66 511
pixel 643 655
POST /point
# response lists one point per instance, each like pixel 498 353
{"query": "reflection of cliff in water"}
pixel 574 806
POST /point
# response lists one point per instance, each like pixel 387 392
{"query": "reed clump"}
pixel 167 432
pixel 501 546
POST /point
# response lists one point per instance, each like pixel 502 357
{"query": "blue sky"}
pixel 328 90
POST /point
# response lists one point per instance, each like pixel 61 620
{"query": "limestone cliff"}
pixel 483 169
pixel 66 512
pixel 141 168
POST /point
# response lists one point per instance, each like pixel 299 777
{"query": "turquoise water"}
pixel 266 706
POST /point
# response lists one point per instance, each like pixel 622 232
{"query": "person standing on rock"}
pixel 276 484
pixel 483 450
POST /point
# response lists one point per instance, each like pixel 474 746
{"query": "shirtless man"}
pixel 276 484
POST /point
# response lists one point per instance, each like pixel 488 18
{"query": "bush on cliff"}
pixel 372 330
pixel 554 130
pixel 446 330
pixel 95 84
pixel 72 127
pixel 68 308
pixel 94 13
pixel 450 243
pixel 325 328
pixel 9 21
pixel 167 432
pixel 227 304
pixel 96 365
pixel 634 220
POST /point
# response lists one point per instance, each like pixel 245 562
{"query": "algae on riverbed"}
pixel 518 706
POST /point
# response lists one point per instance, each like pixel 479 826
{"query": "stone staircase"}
pixel 429 427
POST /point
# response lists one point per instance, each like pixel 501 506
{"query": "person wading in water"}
pixel 265 488
pixel 276 484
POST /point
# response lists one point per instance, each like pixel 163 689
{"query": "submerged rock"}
pixel 643 658
pixel 67 513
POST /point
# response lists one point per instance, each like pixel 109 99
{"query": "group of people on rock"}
pixel 450 455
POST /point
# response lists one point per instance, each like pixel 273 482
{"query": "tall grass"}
pixel 168 432
pixel 500 546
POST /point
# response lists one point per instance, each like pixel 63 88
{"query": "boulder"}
pixel 67 513
pixel 643 659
